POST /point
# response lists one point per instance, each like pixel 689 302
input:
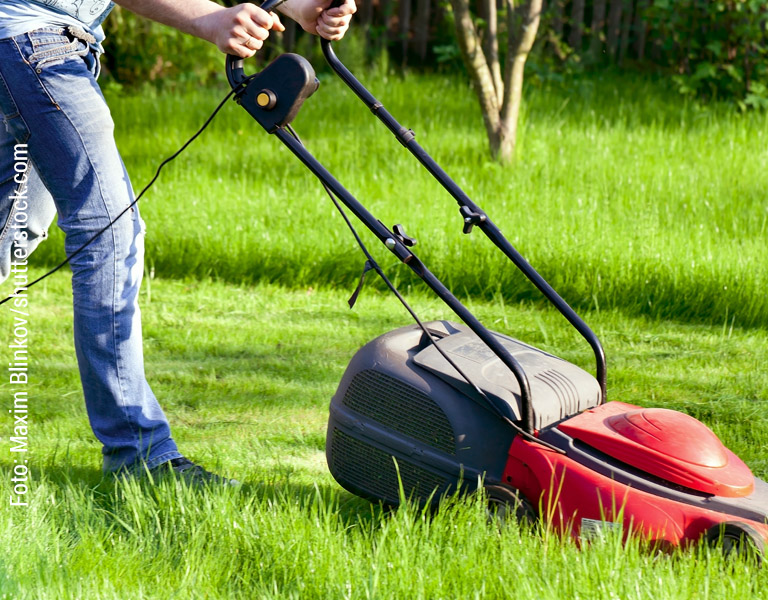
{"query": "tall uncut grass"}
pixel 623 195
pixel 245 374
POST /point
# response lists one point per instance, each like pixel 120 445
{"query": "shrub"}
pixel 718 48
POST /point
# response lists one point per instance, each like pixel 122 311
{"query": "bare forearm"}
pixel 242 29
pixel 239 29
pixel 185 15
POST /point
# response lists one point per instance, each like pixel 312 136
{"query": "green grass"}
pixel 245 375
pixel 648 214
pixel 623 196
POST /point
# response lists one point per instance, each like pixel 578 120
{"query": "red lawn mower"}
pixel 442 407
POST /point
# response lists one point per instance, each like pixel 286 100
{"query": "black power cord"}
pixel 132 204
pixel 371 264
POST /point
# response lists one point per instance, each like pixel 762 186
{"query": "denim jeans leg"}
pixel 26 207
pixel 61 114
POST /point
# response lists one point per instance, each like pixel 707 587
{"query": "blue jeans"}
pixel 51 102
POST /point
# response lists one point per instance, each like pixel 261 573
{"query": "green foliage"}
pixel 715 50
pixel 444 45
pixel 142 54
pixel 719 49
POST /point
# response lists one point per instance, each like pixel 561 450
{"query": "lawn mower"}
pixel 436 408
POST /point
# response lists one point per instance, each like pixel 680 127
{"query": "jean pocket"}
pixel 53 46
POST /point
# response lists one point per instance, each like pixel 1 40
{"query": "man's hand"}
pixel 239 30
pixel 315 17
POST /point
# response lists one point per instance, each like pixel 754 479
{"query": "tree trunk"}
pixel 479 71
pixel 491 46
pixel 364 16
pixel 517 55
pixel 557 17
pixel 500 118
pixel 386 9
pixel 626 28
pixel 614 29
pixel 577 25
pixel 364 21
pixel 421 29
pixel 598 27
pixel 405 28
pixel 640 29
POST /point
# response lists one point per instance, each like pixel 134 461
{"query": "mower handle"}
pixel 473 215
pixel 236 77
pixel 235 72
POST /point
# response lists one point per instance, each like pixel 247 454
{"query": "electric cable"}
pixel 132 204
pixel 375 266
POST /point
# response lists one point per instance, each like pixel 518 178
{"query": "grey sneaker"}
pixel 192 474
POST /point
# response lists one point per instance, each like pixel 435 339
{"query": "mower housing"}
pixel 403 413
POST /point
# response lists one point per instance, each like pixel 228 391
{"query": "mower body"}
pixel 654 472
pixel 404 424
pixel 399 399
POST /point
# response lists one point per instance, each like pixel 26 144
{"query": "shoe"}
pixel 192 474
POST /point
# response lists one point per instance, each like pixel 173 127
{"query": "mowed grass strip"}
pixel 245 374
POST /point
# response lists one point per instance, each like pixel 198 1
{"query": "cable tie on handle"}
pixel 353 298
pixel 237 92
pixel 405 135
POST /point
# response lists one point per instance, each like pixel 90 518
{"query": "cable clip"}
pixel 405 240
pixel 471 218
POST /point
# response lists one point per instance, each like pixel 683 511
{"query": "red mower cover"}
pixel 665 443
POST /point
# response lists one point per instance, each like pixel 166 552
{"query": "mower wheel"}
pixel 506 502
pixel 737 539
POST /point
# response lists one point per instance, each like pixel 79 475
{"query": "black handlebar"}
pixel 473 215
pixel 291 78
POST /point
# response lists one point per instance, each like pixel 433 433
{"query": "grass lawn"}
pixel 245 375
pixel 647 214
pixel 623 196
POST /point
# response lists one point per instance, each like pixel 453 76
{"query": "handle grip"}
pixel 326 44
pixel 235 72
